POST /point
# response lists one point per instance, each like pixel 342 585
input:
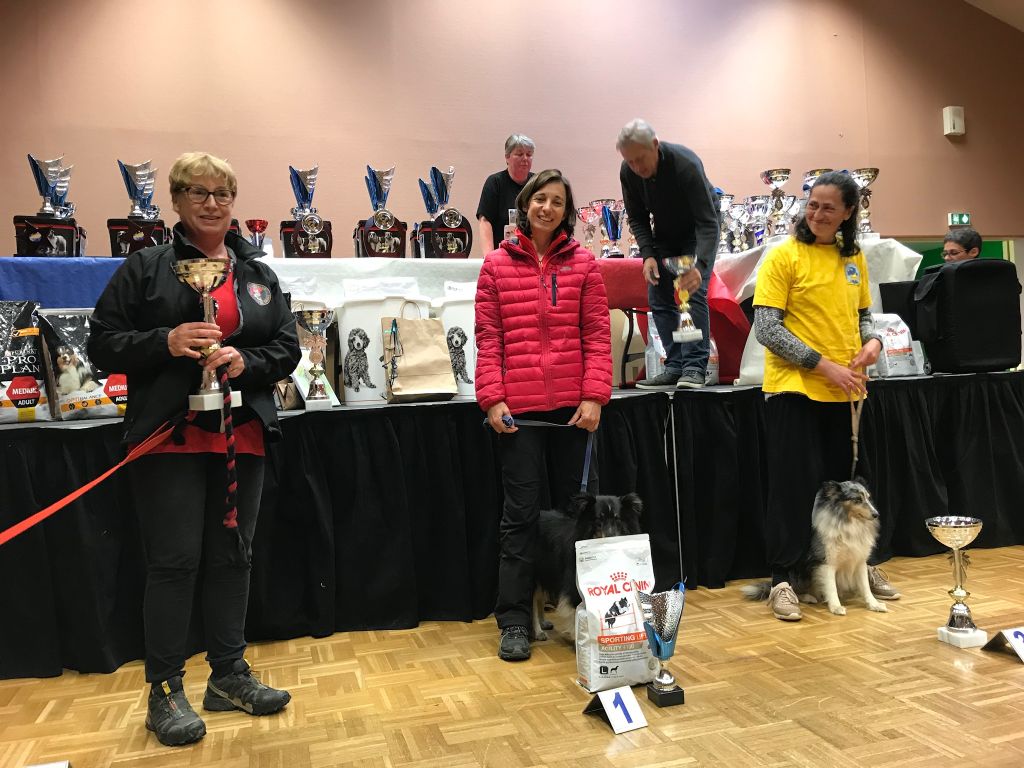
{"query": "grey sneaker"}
pixel 691 379
pixel 784 603
pixel 515 643
pixel 663 379
pixel 240 690
pixel 880 586
pixel 171 717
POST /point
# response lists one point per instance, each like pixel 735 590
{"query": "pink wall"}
pixel 748 84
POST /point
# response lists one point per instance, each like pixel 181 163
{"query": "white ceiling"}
pixel 1010 11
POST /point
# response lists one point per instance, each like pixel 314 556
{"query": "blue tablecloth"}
pixel 55 282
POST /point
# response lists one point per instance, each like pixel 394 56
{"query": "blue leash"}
pixel 508 421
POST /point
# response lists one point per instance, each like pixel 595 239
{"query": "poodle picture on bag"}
pixel 356 367
pixel 457 339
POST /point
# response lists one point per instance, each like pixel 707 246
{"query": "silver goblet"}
pixel 956 533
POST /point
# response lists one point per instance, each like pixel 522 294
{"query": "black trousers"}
pixel 180 503
pixel 539 465
pixel 799 426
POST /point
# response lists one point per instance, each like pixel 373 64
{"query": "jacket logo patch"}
pixel 260 294
pixel 852 274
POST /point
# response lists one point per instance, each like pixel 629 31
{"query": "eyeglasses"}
pixel 952 254
pixel 198 195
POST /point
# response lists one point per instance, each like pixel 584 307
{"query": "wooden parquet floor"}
pixel 867 689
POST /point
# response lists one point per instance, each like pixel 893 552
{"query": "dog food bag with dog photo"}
pixel 611 643
pixel 22 376
pixel 79 390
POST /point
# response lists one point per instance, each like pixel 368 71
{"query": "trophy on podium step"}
pixel 52 231
pixel 142 227
pixel 307 234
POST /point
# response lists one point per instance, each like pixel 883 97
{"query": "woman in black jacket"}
pixel 150 326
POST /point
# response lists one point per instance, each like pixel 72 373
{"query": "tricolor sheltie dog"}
pixel 844 528
pixel 587 517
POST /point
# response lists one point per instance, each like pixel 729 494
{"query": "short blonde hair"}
pixel 192 165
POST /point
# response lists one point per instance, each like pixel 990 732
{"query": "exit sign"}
pixel 959 219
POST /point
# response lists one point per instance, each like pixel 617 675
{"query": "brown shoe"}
pixel 784 603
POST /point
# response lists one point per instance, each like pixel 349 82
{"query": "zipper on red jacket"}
pixel 554 289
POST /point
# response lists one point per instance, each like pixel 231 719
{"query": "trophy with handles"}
pixel 204 276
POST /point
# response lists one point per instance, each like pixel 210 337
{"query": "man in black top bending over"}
pixel 672 212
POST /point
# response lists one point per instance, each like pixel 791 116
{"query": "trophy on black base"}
pixel 52 231
pixel 382 234
pixel 448 234
pixel 143 226
pixel 662 612
pixel 204 276
pixel 307 234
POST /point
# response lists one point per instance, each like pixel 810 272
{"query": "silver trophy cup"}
pixel 315 321
pixel 662 612
pixel 956 533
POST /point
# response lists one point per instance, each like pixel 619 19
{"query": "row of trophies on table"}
pixel 52 231
pixel 446 234
pixel 746 223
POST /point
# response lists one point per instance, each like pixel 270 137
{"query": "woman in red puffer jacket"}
pixel 543 354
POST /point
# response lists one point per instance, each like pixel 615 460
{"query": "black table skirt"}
pixel 944 445
pixel 381 518
pixel 371 519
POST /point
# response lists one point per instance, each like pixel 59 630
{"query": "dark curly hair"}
pixel 542 179
pixel 965 237
pixel 850 194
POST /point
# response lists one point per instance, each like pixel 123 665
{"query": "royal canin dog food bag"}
pixel 78 389
pixel 22 374
pixel 611 644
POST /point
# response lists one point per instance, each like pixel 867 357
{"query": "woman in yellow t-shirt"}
pixel 811 312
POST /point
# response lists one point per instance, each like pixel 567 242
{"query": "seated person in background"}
pixel 500 190
pixel 961 244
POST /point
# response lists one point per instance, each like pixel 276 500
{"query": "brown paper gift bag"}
pixel 417 365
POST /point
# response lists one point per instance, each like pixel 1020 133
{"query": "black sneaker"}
pixel 515 643
pixel 171 717
pixel 663 379
pixel 240 690
pixel 691 379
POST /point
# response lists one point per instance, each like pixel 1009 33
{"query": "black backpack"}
pixel 968 316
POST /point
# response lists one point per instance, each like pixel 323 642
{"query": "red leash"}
pixel 160 435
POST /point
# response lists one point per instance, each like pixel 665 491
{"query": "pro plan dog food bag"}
pixel 22 376
pixel 611 643
pixel 78 389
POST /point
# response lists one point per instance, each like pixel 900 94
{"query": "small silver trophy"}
pixel 611 227
pixel 315 322
pixel 724 204
pixel 442 182
pixel 956 533
pixel 662 612
pixel 588 216
pixel 140 181
pixel 687 331
pixel 52 181
pixel 776 178
pixel 378 184
pixel 758 207
pixel 307 220
pixel 738 224
pixel 204 276
pixel 864 177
